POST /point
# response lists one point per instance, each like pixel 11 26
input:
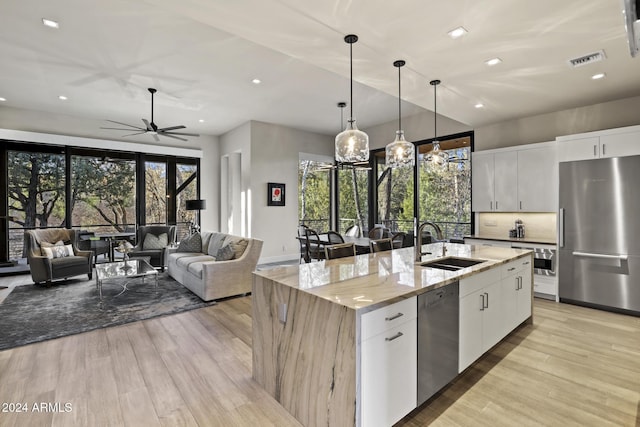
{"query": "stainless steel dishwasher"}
pixel 437 340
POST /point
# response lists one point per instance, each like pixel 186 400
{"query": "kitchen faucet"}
pixel 439 237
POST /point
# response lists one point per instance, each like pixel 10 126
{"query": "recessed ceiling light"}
pixel 201 120
pixel 479 105
pixel 493 61
pixel 62 98
pixel 457 32
pixel 2 99
pixel 49 23
pixel 598 76
pixel 256 81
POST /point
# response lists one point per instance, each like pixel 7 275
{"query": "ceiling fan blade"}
pixel 168 135
pixel 155 137
pixel 172 128
pixel 119 129
pixel 179 133
pixel 125 124
pixel 132 134
pixel 149 127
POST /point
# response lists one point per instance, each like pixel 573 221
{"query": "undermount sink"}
pixel 452 263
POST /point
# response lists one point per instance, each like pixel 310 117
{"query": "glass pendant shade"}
pixel 352 145
pixel 400 153
pixel 437 156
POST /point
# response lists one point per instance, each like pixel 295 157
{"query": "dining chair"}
pixel 316 249
pixel 379 232
pixel 380 245
pixel 334 237
pixel 353 231
pixel 340 250
pixel 304 243
pixel 398 239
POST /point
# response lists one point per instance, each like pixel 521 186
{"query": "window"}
pixel 394 190
pixel 445 191
pixel 186 189
pixel 155 192
pixel 36 194
pixel 353 205
pixel 314 200
pixel 103 196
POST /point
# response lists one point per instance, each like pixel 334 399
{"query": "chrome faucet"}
pixel 439 237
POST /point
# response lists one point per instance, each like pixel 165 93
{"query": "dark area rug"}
pixel 34 313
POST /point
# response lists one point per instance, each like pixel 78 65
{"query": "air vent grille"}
pixel 587 59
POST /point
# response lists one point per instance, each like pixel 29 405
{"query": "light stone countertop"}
pixel 367 282
pixel 532 240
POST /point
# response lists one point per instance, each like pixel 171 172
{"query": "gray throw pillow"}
pixel 215 243
pixel 225 253
pixel 151 241
pixel 192 243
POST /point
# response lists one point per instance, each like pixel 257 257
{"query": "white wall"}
pixel 545 127
pixel 235 206
pixel 275 152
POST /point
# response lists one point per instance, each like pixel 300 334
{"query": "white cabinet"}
pixel 492 304
pixel 480 325
pixel 388 363
pixel 516 179
pixel 516 292
pixel 595 145
pixel 494 181
pixel 538 179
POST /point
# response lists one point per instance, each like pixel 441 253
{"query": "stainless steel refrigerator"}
pixel 599 233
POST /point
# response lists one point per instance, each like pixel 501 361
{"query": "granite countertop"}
pixel 539 240
pixel 367 282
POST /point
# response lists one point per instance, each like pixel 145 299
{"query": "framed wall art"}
pixel 275 194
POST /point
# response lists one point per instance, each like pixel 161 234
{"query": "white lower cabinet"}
pixel 492 304
pixel 389 363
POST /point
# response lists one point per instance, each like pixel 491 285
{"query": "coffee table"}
pixel 123 273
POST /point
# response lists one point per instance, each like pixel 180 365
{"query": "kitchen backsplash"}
pixel 498 224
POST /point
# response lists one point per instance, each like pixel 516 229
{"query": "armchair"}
pixel 154 245
pixel 47 268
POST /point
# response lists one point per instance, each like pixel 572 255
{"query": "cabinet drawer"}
pixel 516 267
pixel 478 281
pixel 385 318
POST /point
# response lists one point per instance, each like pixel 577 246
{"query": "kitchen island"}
pixel 335 341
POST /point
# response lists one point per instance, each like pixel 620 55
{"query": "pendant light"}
pixel 400 153
pixel 437 156
pixel 352 145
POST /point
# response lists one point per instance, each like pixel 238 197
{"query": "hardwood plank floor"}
pixel 573 366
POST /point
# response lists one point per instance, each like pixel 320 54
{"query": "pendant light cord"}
pixel 435 112
pixel 351 79
pixel 399 103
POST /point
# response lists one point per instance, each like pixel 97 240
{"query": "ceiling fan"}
pixel 153 129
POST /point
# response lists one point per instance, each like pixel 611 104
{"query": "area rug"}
pixel 34 313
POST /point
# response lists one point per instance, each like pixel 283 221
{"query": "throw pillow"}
pixel 238 245
pixel 215 243
pixel 225 253
pixel 151 241
pixel 57 251
pixel 192 243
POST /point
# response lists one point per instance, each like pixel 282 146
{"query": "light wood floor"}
pixel 573 366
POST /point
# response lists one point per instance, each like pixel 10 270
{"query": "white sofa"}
pixel 211 279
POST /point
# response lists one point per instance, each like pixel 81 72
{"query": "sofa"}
pixel 214 265
pixel 52 254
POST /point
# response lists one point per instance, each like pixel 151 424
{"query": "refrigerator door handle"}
pixel 561 228
pixel 603 256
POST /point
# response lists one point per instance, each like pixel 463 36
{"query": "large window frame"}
pixel 6 226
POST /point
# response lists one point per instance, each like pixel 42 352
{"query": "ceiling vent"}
pixel 587 59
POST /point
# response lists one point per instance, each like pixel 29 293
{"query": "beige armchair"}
pixel 45 268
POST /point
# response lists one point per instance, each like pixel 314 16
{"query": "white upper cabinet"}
pixel 619 142
pixel 538 179
pixel 517 179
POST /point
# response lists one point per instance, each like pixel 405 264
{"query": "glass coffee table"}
pixel 123 272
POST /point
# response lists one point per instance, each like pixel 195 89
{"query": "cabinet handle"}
pixel 394 317
pixel 604 149
pixel 398 335
pixel 517 283
pixel 491 205
pixel 520 204
pixel 594 150
pixel 487 306
pixel 481 302
pixel 496 205
pixel 525 263
pixel 511 269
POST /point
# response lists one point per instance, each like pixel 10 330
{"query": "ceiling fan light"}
pixel 352 145
pixel 400 153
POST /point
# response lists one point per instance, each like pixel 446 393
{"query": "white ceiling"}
pixel 201 55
